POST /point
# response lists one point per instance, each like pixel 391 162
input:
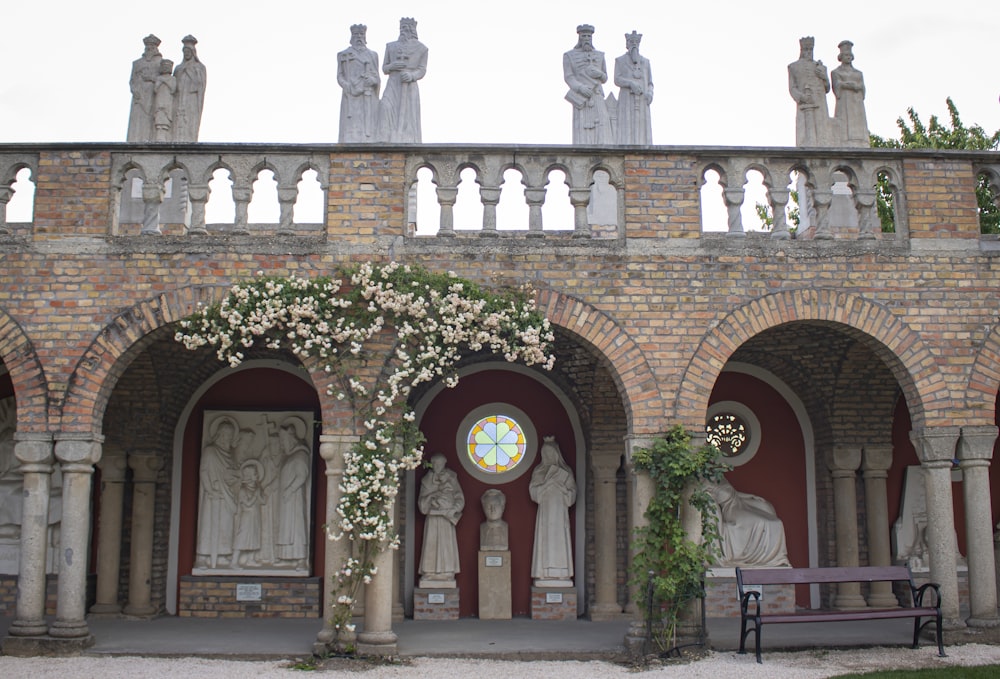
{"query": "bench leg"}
pixel 940 641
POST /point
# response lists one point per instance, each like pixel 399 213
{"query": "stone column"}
pixel 198 195
pixel 489 196
pixel 77 453
pixel 446 197
pixel 936 448
pixel 34 453
pixel 975 450
pixel 875 463
pixel 642 492
pixel 377 638
pixel 579 198
pixel 733 198
pixel 844 464
pixel 145 467
pixel 109 541
pixel 152 199
pixel 606 606
pixel 6 193
pixel 779 201
pixel 534 196
pixel 331 449
pixel 286 204
pixel 690 625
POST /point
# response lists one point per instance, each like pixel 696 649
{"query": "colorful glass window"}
pixel 496 444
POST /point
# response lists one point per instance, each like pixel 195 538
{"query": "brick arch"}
pixel 636 383
pixel 912 364
pixel 984 378
pixel 31 391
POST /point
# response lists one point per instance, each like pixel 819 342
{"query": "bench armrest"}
pixel 918 594
pixel 745 603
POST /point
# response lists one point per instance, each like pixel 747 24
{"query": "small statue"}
pixel 750 530
pixel 493 531
pixel 357 74
pixel 635 80
pixel 849 88
pixel 191 78
pixel 808 84
pixel 142 83
pixel 554 489
pixel 164 102
pixel 585 71
pixel 405 63
pixel 442 501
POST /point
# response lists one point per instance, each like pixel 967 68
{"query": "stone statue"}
pixel 750 530
pixel 191 78
pixel 909 532
pixel 293 494
pixel 493 531
pixel 357 74
pixel 635 80
pixel 585 72
pixel 142 82
pixel 808 84
pixel 405 63
pixel 217 499
pixel 442 501
pixel 849 89
pixel 164 102
pixel 11 482
pixel 249 508
pixel 554 489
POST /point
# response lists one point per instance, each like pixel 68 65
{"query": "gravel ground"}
pixel 804 665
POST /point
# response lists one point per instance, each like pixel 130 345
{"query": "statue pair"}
pixel 396 117
pixel 809 84
pixel 166 102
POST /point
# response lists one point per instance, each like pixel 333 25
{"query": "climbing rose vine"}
pixel 435 319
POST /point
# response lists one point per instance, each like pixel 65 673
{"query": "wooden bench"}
pixel 751 604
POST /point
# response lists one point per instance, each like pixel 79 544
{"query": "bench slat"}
pixel 841 616
pixel 804 576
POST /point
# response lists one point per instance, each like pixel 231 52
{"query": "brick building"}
pixel 849 355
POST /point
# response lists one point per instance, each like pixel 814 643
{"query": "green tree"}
pixel 937 135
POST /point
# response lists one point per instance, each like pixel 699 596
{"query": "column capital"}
pixel 876 458
pixel 845 458
pixel 145 466
pixel 605 466
pixel 634 442
pixel 34 451
pixel 78 449
pixel 935 444
pixel 332 448
pixel 976 443
pixel 112 464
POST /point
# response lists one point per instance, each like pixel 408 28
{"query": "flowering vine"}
pixel 434 320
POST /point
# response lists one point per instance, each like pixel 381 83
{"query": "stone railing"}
pixel 611 194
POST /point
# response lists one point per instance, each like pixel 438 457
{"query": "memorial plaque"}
pixel 435 598
pixel 248 592
pixel 494 561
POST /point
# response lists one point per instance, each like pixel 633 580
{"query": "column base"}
pixel 106 609
pixel 26 647
pixel 850 602
pixel 378 643
pixel 607 613
pixel 146 611
pixel 982 622
pixel 70 629
pixel 952 623
pixel 636 640
pixel 883 601
pixel 28 628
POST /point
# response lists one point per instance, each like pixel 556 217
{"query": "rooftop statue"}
pixel 357 74
pixel 585 72
pixel 191 77
pixel 634 77
pixel 142 83
pixel 808 84
pixel 849 88
pixel 405 63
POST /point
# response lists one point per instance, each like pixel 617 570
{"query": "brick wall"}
pixel 216 597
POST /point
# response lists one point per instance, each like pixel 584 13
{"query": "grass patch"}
pixel 978 672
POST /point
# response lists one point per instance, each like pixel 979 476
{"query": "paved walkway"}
pixel 520 638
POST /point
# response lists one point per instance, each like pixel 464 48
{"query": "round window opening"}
pixel 496 443
pixel 734 430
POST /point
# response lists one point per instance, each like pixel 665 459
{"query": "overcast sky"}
pixel 495 68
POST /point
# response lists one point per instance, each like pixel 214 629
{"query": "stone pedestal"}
pixel 722 598
pixel 553 603
pixel 435 603
pixel 494 585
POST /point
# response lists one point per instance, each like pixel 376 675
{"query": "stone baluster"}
pixel 6 193
pixel 779 202
pixel 535 197
pixel 936 449
pixel 875 463
pixel 446 197
pixel 606 606
pixel 77 454
pixel 286 203
pixel 109 545
pixel 33 451
pixel 241 197
pixel 490 197
pixel 198 195
pixel 864 201
pixel 642 491
pixel 152 198
pixel 580 199
pixel 844 464
pixel 145 467
pixel 733 198
pixel 332 448
pixel 821 202
pixel 975 450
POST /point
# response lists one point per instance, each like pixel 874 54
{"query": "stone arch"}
pixel 27 374
pixel 984 379
pixel 899 346
pixel 637 385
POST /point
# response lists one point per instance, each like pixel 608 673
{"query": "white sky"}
pixel 494 68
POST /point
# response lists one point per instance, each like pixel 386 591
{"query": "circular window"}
pixel 496 443
pixel 734 430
